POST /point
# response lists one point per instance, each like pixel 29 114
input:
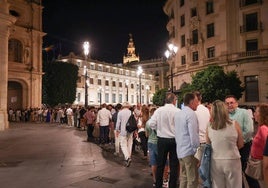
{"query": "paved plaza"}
pixel 57 156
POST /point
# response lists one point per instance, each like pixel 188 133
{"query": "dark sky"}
pixel 106 24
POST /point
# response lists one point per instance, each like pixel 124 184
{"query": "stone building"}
pixel 110 83
pixel 232 34
pixel 20 55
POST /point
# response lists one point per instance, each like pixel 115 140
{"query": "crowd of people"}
pixel 173 139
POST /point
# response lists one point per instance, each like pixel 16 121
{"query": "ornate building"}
pixel 232 34
pixel 131 54
pixel 20 55
pixel 111 84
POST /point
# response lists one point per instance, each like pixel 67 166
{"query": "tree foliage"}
pixel 159 97
pixel 215 84
pixel 59 83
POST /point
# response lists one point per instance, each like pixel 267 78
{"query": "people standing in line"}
pixel 225 137
pixel 116 138
pixel 163 122
pixel 90 117
pixel 142 119
pixel 259 140
pixel 125 138
pixel 187 140
pixel 69 113
pixel 246 125
pixel 265 163
pixel 81 119
pixel 103 119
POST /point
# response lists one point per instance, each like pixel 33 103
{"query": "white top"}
pixel 163 121
pixel 104 117
pixel 224 142
pixel 203 117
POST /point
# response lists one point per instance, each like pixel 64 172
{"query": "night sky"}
pixel 106 24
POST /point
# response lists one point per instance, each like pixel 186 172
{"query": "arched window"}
pixel 14 50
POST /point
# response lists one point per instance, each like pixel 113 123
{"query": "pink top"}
pixel 259 142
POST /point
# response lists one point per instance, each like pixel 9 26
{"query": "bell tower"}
pixel 131 55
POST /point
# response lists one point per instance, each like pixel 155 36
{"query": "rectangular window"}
pixel 99 81
pixel 182 40
pixel 113 84
pixel 195 36
pixel 78 97
pixel 91 81
pixel 251 89
pixel 210 30
pixel 113 98
pixel 92 67
pixel 181 3
pixel 99 68
pixel 182 20
pixel 132 86
pixel 252 45
pixel 183 60
pixel 252 22
pixel 120 84
pixel 193 12
pixel 195 56
pixel 107 97
pixel 209 7
pixel 120 71
pixel 142 99
pixel 211 52
pixel 106 82
pixel 120 98
pixel 115 71
pixel 132 98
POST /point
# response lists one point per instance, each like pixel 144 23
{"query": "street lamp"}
pixel 86 52
pixel 171 53
pixel 147 89
pixel 139 72
pixel 127 82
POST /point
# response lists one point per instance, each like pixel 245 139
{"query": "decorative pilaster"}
pixel 6 21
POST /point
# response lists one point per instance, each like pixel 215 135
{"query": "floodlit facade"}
pixel 111 84
pixel 232 34
pixel 20 55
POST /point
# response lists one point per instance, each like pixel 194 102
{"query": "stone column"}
pixel 6 21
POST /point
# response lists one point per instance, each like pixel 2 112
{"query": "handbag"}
pixel 254 168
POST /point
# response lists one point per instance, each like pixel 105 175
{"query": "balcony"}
pixel 252 27
pixel 244 3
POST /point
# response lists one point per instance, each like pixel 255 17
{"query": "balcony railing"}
pixel 244 3
pixel 247 28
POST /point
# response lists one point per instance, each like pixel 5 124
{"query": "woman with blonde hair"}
pixel 225 137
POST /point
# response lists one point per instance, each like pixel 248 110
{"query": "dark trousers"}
pixel 104 134
pixel 167 146
pixel 144 145
pixel 245 152
pixel 90 129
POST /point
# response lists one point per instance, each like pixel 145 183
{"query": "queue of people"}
pixel 173 139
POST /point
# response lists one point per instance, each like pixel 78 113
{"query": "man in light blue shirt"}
pixel 187 140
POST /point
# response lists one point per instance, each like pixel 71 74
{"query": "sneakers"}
pixel 128 162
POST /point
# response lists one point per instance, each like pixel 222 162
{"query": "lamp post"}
pixel 139 72
pixel 127 82
pixel 171 53
pixel 147 89
pixel 86 52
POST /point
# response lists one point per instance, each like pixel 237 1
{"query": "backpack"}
pixel 131 124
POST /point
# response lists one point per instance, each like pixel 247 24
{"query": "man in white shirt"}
pixel 125 138
pixel 163 122
pixel 103 119
pixel 69 113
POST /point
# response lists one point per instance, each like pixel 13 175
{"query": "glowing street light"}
pixel 86 52
pixel 171 53
pixel 139 72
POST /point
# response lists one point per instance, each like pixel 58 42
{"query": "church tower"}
pixel 131 56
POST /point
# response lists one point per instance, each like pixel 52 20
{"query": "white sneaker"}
pixel 165 184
